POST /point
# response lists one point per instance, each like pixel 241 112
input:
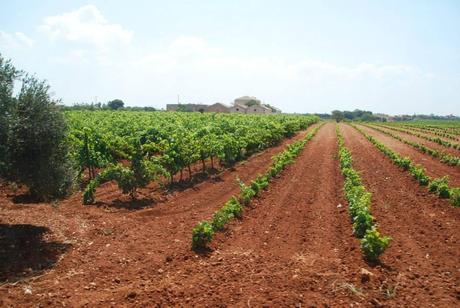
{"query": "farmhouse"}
pixel 250 104
pixel 187 107
pixel 244 104
pixel 218 107
pixel 251 108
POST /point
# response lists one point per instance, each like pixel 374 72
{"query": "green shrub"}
pixel 359 202
pixel 455 196
pixel 273 171
pixel 247 193
pixel 345 158
pixel 139 174
pixel 230 210
pixel 38 148
pixel 8 74
pixel 90 190
pixel 352 177
pixel 234 207
pixel 404 163
pixel 419 174
pixel 373 244
pixel 440 186
pixel 362 222
pixel 259 184
pixel 202 234
pixel 220 219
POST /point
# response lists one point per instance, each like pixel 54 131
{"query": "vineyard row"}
pixel 203 232
pixel 437 140
pixel 443 157
pixel 438 186
pixel 134 149
pixel 359 206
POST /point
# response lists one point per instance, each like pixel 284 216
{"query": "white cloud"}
pixel 15 40
pixel 193 53
pixel 200 72
pixel 74 56
pixel 191 45
pixel 85 25
pixel 319 70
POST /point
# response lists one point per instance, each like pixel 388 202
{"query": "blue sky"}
pixel 302 56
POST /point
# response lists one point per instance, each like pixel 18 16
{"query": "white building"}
pixel 250 104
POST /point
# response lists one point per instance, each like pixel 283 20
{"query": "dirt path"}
pixel 427 143
pixel 293 247
pixel 433 166
pixel 422 261
pixel 108 247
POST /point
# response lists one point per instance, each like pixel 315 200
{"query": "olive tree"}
pixel 8 74
pixel 115 104
pixel 37 142
pixel 337 115
pixel 34 148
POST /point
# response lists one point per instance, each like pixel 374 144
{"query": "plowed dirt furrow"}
pixel 434 133
pixel 433 166
pixel 422 141
pixel 422 261
pixel 117 245
pixel 293 247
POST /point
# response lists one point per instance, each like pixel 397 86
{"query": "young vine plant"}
pixel 359 207
pixel 438 186
pixel 204 231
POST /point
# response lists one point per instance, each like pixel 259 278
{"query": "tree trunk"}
pixel 93 170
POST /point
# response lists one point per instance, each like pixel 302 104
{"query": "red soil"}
pixel 294 245
pixel 422 261
pixel 432 133
pixel 94 237
pixel 427 143
pixel 434 167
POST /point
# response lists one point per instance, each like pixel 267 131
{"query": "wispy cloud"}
pixel 85 25
pixel 201 70
pixel 15 40
pixel 194 53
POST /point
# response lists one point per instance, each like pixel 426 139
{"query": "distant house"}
pixel 250 104
pixel 238 108
pixel 258 109
pixel 218 107
pixel 244 104
pixel 187 107
pixel 274 109
pixel 247 100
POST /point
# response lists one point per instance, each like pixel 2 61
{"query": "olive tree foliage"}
pixel 36 147
pixel 8 74
pixel 115 104
pixel 337 115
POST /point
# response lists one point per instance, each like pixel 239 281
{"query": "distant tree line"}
pixel 116 104
pixel 406 117
pixel 355 115
pixel 363 115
